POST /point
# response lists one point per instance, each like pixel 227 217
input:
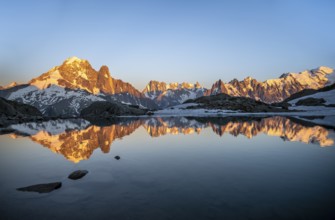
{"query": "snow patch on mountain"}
pixel 73 59
pixel 20 94
pixel 184 110
pixel 190 95
pixel 55 100
pixel 51 80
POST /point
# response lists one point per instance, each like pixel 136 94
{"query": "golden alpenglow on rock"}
pixel 77 73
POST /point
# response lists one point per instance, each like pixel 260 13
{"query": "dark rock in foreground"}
pixel 78 174
pixel 150 113
pixel 12 108
pixel 110 109
pixel 311 102
pixel 14 112
pixel 117 157
pixel 227 102
pixel 41 188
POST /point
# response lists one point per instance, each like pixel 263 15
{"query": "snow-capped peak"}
pixel 74 73
pixel 327 72
pixel 73 59
pixel 325 69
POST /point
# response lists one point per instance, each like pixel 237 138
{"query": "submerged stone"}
pixel 78 174
pixel 41 188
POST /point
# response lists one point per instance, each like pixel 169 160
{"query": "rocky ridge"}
pixel 275 90
pixel 165 95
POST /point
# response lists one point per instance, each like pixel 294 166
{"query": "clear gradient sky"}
pixel 172 41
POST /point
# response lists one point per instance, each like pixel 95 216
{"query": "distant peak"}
pixel 324 69
pixel 154 82
pixel 10 85
pixel 104 68
pixel 284 75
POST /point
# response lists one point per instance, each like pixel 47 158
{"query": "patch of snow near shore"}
pixel 312 108
pixel 181 110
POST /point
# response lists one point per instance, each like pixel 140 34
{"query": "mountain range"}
pixel 67 89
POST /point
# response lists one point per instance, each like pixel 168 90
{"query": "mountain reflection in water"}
pixel 76 139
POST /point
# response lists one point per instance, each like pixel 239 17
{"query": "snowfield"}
pixel 181 110
pixel 69 101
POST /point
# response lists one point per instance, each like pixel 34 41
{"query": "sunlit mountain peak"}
pixel 73 59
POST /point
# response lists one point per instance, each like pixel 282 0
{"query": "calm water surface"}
pixel 170 168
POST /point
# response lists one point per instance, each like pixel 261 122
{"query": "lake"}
pixel 170 168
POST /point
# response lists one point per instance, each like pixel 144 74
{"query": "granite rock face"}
pixel 76 73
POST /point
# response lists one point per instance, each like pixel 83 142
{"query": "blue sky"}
pixel 172 41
